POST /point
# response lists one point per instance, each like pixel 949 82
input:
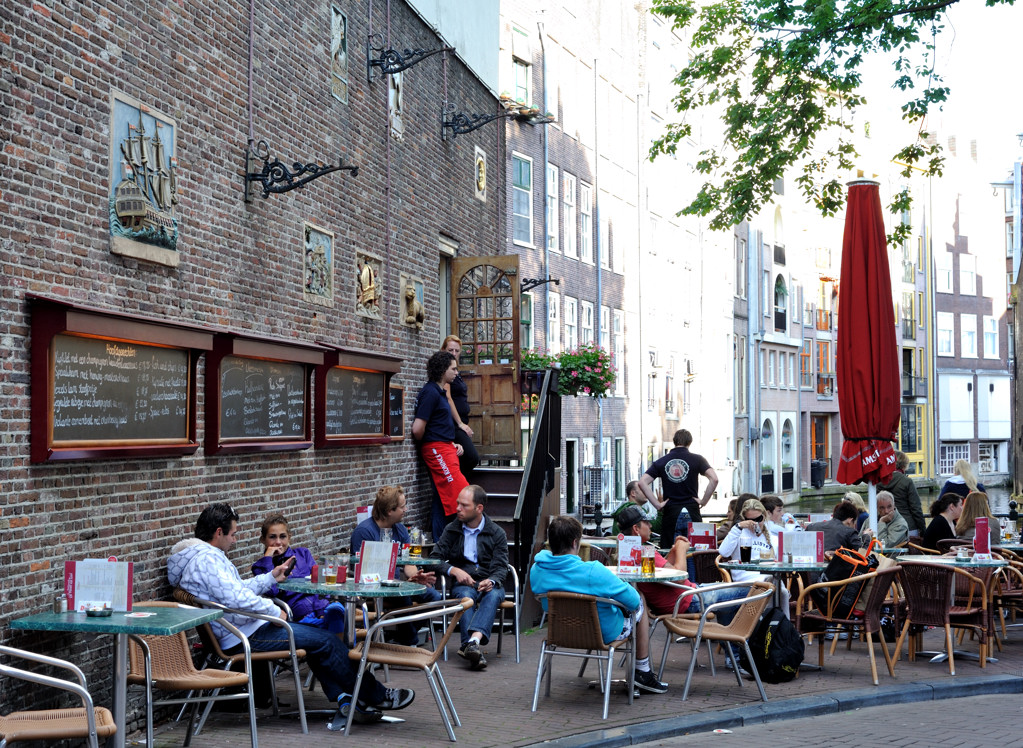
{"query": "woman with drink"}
pixel 308 609
pixel 976 505
pixel 749 540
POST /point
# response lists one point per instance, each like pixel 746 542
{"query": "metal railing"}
pixel 826 385
pixel 914 386
pixel 908 329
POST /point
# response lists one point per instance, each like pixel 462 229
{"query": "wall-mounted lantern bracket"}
pixel 392 61
pixel 461 123
pixel 528 284
pixel 276 177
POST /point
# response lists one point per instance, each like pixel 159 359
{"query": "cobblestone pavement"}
pixel 494 704
pixel 966 722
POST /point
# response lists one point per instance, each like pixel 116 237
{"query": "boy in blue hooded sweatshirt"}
pixel 560 569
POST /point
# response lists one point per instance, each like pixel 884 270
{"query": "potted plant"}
pixel 587 370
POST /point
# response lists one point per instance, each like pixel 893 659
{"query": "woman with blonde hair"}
pixel 751 529
pixel 963 481
pixel 976 505
pixel 862 515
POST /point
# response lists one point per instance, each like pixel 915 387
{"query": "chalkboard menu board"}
pixel 118 392
pixel 396 411
pixel 262 400
pixel 354 402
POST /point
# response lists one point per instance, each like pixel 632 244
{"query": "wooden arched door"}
pixel 485 301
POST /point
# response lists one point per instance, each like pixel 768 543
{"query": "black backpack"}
pixel 777 648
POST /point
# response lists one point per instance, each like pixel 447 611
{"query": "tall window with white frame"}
pixel 949 454
pixel 569 228
pixel 669 387
pixel 522 200
pixel 990 337
pixel 552 208
pixel 603 230
pixel 586 223
pixel 618 349
pixel 586 322
pixel 967 275
pixel 554 324
pixel 968 335
pixel 526 339
pixel 946 333
pixel 943 272
pixel 605 328
pixel 571 323
pixel 740 267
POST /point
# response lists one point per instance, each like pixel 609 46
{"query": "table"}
pixel 609 542
pixel 893 551
pixel 664 574
pixel 424 561
pixel 165 622
pixel 780 570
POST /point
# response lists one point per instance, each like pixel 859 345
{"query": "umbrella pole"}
pixel 872 506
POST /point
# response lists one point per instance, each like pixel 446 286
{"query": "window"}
pixel 765 299
pixel 618 349
pixel 920 253
pixel 740 267
pixel 586 323
pixel 571 323
pixel 669 386
pixel 651 392
pixel 946 331
pixel 605 328
pixel 968 335
pixel 522 200
pixel 910 428
pixel 526 341
pixel 554 324
pixel 920 308
pixel 763 369
pixel 949 454
pixel 619 467
pixel 1008 239
pixel 739 383
pixel 990 337
pixel 943 272
pixel 568 196
pixel 552 208
pixel 792 371
pixel 770 369
pixel 586 223
pixel 988 457
pixel 967 275
pixel 521 90
pixel 806 364
pixel 603 229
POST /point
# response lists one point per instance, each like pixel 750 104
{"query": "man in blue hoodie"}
pixel 560 569
pixel 200 565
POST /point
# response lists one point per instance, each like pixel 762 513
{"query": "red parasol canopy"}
pixel 867 361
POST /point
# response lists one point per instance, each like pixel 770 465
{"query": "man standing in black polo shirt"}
pixel 680 472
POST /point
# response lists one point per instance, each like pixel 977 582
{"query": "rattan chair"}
pixel 923 549
pixel 511 602
pixel 930 590
pixel 87 721
pixel 737 631
pixel 573 622
pixel 371 651
pixel 726 576
pixel 211 645
pixel 165 663
pixel 706 568
pixel 818 620
pixel 949 544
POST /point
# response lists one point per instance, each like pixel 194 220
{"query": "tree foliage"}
pixel 785 77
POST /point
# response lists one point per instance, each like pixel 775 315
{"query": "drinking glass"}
pixel 416 536
pixel 745 551
pixel 342 567
pixel 647 564
pixel 330 574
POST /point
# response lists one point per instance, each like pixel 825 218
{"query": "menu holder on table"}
pixel 818 518
pixel 377 560
pixel 982 538
pixel 703 535
pixel 630 554
pixel 797 544
pixel 95 582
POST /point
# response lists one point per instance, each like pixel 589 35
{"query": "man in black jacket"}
pixel 475 555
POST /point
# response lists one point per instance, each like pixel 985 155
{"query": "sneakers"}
pixel 397 698
pixel 646 681
pixel 364 715
pixel 730 664
pixel 472 653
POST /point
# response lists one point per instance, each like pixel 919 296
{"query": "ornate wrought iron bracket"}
pixel 528 284
pixel 392 61
pixel 461 123
pixel 277 178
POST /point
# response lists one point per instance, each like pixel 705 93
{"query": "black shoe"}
pixel 364 715
pixel 645 681
pixel 472 653
pixel 397 698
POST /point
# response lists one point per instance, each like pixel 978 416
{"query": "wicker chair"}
pixel 706 568
pixel 726 576
pixel 511 602
pixel 211 646
pixel 165 662
pixel 929 590
pixel 574 623
pixel 817 621
pixel 923 549
pixel 737 631
pixel 949 544
pixel 370 651
pixel 87 721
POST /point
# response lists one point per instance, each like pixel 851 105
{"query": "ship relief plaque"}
pixel 319 265
pixel 143 182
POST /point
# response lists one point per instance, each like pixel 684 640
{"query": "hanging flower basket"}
pixel 587 370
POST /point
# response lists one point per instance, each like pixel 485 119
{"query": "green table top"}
pixel 969 563
pixel 611 542
pixel 1014 547
pixel 892 551
pixel 165 622
pixel 423 561
pixel 664 574
pixel 352 590
pixel 774 567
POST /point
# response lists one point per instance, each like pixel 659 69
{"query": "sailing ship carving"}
pixel 142 205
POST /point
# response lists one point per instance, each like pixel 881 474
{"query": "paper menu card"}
pixel 376 558
pixel 982 538
pixel 630 553
pixel 799 543
pixel 362 513
pixel 704 534
pixel 818 518
pixel 98 582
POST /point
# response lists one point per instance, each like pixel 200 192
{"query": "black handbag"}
pixel 845 564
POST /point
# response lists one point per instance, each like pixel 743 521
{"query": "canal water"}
pixel 998 497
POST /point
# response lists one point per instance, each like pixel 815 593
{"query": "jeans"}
pixel 327 655
pixel 724 616
pixel 333 619
pixel 407 633
pixel 481 617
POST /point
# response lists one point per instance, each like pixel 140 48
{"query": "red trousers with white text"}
pixel 442 461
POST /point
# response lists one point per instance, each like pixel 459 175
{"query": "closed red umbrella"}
pixel 867 364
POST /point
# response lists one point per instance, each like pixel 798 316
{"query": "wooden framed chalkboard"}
pixel 396 412
pixel 257 395
pixel 111 385
pixel 353 398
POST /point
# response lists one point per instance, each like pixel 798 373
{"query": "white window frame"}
pixel 987 457
pixel 618 349
pixel 527 191
pixel 603 230
pixel 968 335
pixel 949 453
pixel 967 275
pixel 571 317
pixel 554 323
pixel 585 322
pixel 527 334
pixel 569 243
pixel 740 267
pixel 553 244
pixel 943 272
pixel 586 223
pixel 945 339
pixel 990 337
pixel 771 381
pixel 605 328
pixel 522 83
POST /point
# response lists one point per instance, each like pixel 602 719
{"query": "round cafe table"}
pixel 664 574
pixel 780 570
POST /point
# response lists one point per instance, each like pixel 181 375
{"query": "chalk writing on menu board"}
pixel 355 402
pixel 262 399
pixel 396 406
pixel 111 390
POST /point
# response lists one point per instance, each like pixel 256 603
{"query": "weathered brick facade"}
pixel 241 265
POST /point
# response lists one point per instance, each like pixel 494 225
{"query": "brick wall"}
pixel 241 264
